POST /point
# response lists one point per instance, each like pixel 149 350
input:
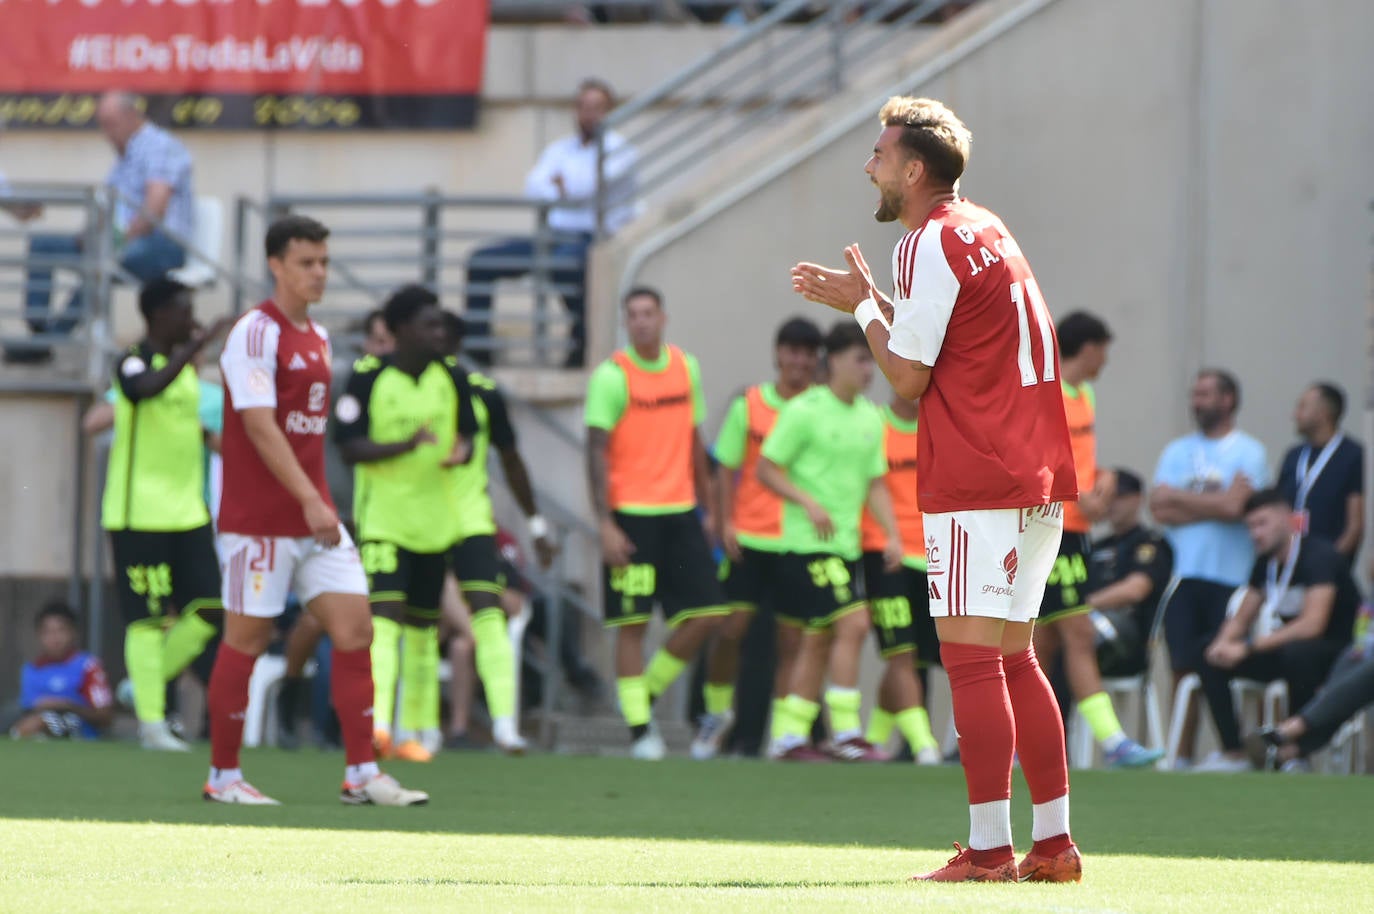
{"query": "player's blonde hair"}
pixel 931 132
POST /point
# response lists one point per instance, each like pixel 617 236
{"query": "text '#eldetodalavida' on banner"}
pixel 245 64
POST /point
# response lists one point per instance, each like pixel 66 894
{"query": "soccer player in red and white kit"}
pixel 968 333
pixel 278 530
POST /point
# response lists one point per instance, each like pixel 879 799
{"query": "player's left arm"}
pixel 701 463
pixel 879 501
pixel 517 474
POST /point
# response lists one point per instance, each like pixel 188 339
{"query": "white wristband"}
pixel 539 528
pixel 868 312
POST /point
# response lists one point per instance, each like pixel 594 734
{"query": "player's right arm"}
pixel 889 324
pixel 355 418
pixel 729 454
pixel 250 373
pixel 608 394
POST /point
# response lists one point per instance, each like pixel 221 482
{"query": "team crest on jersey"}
pixel 1009 562
pixel 965 233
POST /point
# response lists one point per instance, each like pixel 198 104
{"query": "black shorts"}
pixel 1067 586
pixel 155 569
pixel 671 566
pixel 1193 614
pixel 751 582
pixel 816 589
pixel 899 603
pixel 477 565
pixel 397 575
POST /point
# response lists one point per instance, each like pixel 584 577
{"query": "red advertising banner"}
pixel 235 64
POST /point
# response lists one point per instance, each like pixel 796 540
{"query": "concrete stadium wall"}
pixel 1198 173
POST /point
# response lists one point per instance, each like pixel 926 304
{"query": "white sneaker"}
pixel 1297 766
pixel 649 747
pixel 711 735
pixel 507 737
pixel 1219 763
pixel 157 736
pixel 240 792
pixel 930 755
pixel 381 790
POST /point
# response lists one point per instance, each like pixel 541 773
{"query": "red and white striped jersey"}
pixel 992 427
pixel 270 362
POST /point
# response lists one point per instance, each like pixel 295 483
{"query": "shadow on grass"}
pixel 1254 817
pixel 682 884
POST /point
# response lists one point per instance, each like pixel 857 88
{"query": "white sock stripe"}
pixel 1049 820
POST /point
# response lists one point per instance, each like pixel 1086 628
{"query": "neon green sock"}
pixel 663 668
pixel 495 660
pixel 777 725
pixel 386 647
pixel 801 714
pixel 719 698
pixel 915 726
pixel 879 727
pixel 185 642
pixel 844 712
pixel 1097 710
pixel 419 678
pixel 634 700
pixel 143 659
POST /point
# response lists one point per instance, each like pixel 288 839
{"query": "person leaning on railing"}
pixel 566 171
pixel 153 206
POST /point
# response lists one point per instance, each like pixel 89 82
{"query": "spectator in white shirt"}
pixel 566 171
pixel 153 207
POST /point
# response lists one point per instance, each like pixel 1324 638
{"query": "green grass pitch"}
pixel 107 829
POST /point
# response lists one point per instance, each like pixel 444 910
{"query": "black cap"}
pixel 1128 483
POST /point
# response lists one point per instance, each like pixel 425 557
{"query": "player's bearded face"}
pixel 889 201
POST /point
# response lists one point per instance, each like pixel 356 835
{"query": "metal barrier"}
pixel 381 241
pixel 753 81
pixel 78 360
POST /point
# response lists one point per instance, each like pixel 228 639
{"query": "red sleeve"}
pixel 95 686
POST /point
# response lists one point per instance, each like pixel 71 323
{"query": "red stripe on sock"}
pixel 1039 727
pixel 227 701
pixel 983 717
pixel 352 691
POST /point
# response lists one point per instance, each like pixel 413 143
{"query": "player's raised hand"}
pixel 838 289
pixel 323 522
pixel 616 547
pixel 825 527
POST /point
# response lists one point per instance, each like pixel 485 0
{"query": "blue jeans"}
pixel 146 257
pixel 519 252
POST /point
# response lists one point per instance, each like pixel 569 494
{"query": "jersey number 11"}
pixel 1020 294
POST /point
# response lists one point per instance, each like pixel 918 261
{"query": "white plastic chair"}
pixel 1142 685
pixel 207 238
pixel 1273 695
pixel 263 686
pixel 1347 752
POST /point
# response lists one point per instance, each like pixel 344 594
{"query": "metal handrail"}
pixel 748 84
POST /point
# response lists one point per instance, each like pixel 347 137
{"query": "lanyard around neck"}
pixel 1307 475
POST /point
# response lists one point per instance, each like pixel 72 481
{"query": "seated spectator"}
pixel 153 207
pixel 64 691
pixel 1323 477
pixel 566 171
pixel 1127 573
pixel 1304 601
pixel 1350 689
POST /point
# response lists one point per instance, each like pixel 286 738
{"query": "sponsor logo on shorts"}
pixel 997 590
pixel 298 423
pixel 1008 566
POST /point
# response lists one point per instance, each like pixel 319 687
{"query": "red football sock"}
pixel 227 701
pixel 983 717
pixel 352 691
pixel 1039 727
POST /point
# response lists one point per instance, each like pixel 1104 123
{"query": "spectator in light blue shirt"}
pixel 1201 486
pixel 153 209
